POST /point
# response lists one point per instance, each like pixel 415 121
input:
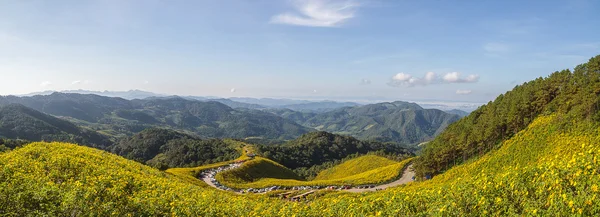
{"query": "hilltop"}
pixel 262 173
pixel 355 166
pixel 118 117
pixel 20 122
pixel 400 122
pixel 163 148
pixel 573 95
pixel 318 150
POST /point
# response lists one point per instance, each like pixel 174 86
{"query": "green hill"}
pixel 574 94
pixel 20 122
pixel 400 122
pixel 543 170
pixel 256 169
pixel 261 173
pixel 546 166
pixel 163 148
pixel 317 148
pixel 119 117
pixel 355 166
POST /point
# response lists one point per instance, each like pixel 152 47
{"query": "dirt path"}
pixel 208 182
pixel 405 178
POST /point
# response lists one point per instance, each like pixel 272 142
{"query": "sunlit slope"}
pixel 550 168
pixel 60 179
pixel 257 169
pixel 261 172
pixel 355 166
pixel 574 94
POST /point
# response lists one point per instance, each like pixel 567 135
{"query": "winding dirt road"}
pixel 405 178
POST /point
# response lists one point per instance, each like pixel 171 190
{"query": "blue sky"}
pixel 341 50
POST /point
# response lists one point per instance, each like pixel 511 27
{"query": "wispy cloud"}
pixel 496 47
pixel 463 92
pixel 77 82
pixel 454 77
pixel 404 79
pixel 232 90
pixel 582 46
pixel 365 81
pixel 515 27
pixel 318 13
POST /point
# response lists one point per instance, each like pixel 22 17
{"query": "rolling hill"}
pixel 20 122
pixel 573 94
pixel 318 107
pixel 163 148
pixel 532 152
pixel 355 166
pixel 400 122
pixel 261 173
pixel 317 148
pixel 119 117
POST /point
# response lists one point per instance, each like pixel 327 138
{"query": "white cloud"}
pixel 318 13
pixel 75 82
pixel 430 77
pixel 463 92
pixel 403 79
pixel 146 82
pixel 472 78
pixel 454 77
pixel 233 90
pixel 314 91
pixel 45 83
pixel 365 81
pixel 451 77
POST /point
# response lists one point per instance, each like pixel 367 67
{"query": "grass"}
pixel 261 173
pixel 548 169
pixel 191 174
pixel 355 166
pixel 256 169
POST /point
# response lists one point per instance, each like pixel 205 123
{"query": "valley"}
pixel 299 108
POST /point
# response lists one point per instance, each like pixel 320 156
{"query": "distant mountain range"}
pixel 400 122
pixel 235 102
pixel 20 122
pixel 120 117
pixel 460 113
pixel 130 94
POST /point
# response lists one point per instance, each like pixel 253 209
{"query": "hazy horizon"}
pixel 427 103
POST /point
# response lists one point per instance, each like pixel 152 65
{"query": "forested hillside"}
pixel 400 122
pixel 306 153
pixel 572 93
pixel 119 117
pixel 20 122
pixel 162 148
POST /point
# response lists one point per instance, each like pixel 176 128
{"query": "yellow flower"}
pixel 594 188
